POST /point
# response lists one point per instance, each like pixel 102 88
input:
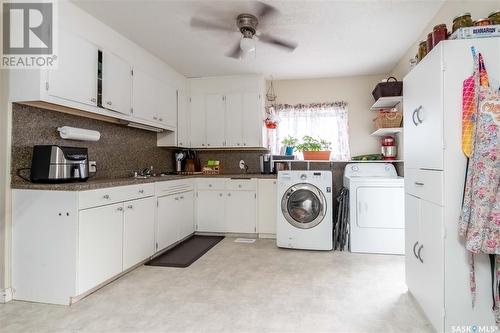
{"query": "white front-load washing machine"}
pixel 304 200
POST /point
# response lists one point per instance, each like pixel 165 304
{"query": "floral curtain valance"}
pixel 339 106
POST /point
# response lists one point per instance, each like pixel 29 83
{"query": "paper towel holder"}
pixel 80 134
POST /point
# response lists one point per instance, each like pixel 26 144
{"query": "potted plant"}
pixel 289 142
pixel 314 149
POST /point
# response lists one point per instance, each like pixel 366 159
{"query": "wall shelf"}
pixel 387 131
pixel 386 103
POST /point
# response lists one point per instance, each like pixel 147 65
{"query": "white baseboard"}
pixel 6 295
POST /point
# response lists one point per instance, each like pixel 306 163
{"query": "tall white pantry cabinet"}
pixel 437 264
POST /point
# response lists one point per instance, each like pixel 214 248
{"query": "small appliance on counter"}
pixel 389 148
pixel 186 162
pixel 271 163
pixel 56 164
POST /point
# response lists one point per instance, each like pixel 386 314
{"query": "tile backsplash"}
pixel 119 152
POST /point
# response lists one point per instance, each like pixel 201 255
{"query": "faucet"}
pixel 144 173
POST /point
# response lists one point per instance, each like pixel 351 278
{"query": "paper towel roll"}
pixel 80 134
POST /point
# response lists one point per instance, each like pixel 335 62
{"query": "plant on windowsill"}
pixel 289 143
pixel 315 149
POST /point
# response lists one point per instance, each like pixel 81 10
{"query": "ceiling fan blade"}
pixel 263 10
pixel 266 38
pixel 235 52
pixel 203 24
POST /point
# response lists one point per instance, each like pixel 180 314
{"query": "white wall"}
pixel 4 181
pixel 450 9
pixel 356 91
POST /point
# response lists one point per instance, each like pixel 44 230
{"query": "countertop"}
pixel 93 184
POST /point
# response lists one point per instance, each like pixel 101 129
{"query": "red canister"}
pixel 429 42
pixel 439 33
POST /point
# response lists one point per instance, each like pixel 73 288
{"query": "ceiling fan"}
pixel 247 25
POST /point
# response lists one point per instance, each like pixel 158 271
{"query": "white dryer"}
pixel 376 208
pixel 304 200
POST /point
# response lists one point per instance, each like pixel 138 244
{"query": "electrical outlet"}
pixel 93 166
pixel 242 165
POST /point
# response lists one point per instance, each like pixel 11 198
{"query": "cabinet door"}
pixel 168 221
pixel 210 211
pixel 423 114
pixel 197 115
pixel 215 108
pixel 187 214
pixel 116 83
pixel 138 231
pixel 234 120
pixel 182 120
pixel 100 232
pixel 412 242
pixel 267 206
pixel 166 106
pixel 75 79
pixel 144 91
pixel 241 211
pixel 432 261
pixel 253 120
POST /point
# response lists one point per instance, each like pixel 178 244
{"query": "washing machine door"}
pixel 303 206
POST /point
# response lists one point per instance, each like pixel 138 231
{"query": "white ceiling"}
pixel 336 38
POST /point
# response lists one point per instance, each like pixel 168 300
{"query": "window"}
pixel 327 121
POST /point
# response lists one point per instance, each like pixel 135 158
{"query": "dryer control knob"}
pixel 303 176
pixel 354 168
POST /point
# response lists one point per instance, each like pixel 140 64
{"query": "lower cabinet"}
pixel 266 207
pixel 425 256
pixel 138 231
pixel 229 206
pixel 175 219
pixel 100 244
pixel 210 215
pixel 241 208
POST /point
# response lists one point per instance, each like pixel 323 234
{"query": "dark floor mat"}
pixel 187 252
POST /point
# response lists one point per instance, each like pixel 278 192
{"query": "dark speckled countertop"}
pixel 93 184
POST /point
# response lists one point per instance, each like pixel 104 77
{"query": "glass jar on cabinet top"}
pixel 439 33
pixel 462 21
pixel 422 50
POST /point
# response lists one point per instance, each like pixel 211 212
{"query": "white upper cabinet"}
pixel 253 120
pixel 182 120
pixel 75 78
pixel 215 112
pixel 166 100
pixel 116 83
pixel 197 116
pixel 234 120
pixel 227 112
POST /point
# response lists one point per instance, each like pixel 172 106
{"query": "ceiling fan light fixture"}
pixel 247 44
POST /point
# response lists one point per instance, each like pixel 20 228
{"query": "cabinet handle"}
pixel 119 209
pixel 182 197
pixel 176 198
pixel 155 118
pixel 130 206
pixel 106 196
pixel 414 250
pixel 220 194
pixel 209 185
pixel 208 144
pixel 109 103
pixel 160 119
pixel 244 143
pixel 418 254
pixel 238 144
pixel 419 184
pixel 420 120
pixel 229 194
pixel 180 143
pixel 93 99
pixel 203 145
pixel 413 117
pixel 239 185
pixel 141 191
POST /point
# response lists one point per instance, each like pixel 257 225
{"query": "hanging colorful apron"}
pixel 480 218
